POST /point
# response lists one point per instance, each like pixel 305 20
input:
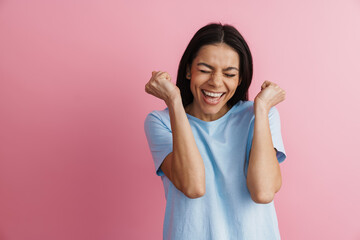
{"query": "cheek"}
pixel 195 85
pixel 193 88
pixel 233 85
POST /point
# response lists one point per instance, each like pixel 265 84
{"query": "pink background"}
pixel 74 161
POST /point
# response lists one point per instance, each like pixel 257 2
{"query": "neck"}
pixel 189 109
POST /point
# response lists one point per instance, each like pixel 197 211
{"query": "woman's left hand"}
pixel 270 95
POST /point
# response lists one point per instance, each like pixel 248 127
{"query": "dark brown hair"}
pixel 215 33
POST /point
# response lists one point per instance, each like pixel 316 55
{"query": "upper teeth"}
pixel 213 94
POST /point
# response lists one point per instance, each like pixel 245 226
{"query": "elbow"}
pixel 191 191
pixel 195 193
pixel 263 197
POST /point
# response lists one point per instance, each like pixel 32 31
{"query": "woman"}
pixel 217 153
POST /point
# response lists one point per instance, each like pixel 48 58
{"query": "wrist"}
pixel 260 107
pixel 173 98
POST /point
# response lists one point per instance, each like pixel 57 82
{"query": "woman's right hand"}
pixel 160 86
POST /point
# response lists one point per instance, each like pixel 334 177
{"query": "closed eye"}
pixel 230 75
pixel 227 75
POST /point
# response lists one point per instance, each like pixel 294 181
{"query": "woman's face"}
pixel 213 81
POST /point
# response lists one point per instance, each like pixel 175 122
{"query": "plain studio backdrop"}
pixel 74 160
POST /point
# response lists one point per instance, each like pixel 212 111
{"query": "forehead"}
pixel 218 55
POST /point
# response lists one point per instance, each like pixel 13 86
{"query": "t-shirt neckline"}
pixel 217 120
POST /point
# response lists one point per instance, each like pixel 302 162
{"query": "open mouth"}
pixel 211 97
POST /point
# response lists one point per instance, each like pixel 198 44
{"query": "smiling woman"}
pixel 212 35
pixel 211 83
pixel 217 153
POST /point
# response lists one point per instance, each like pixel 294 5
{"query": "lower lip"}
pixel 212 101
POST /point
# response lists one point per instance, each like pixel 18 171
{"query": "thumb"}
pixel 265 84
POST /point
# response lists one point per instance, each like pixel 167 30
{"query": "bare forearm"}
pixel 187 168
pixel 264 177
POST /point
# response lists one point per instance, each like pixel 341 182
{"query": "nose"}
pixel 215 80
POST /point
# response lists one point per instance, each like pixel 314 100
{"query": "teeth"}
pixel 212 94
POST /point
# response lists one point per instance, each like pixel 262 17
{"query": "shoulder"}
pixel 158 114
pixel 158 117
pixel 246 109
pixel 249 105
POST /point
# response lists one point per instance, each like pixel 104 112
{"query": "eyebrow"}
pixel 207 65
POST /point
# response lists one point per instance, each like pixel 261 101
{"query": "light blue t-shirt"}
pixel 226 211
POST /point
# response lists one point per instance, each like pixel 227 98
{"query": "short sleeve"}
pixel 159 138
pixel 275 129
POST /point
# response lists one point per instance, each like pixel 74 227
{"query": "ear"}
pixel 188 72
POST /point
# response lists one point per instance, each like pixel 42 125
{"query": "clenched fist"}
pixel 160 86
pixel 270 95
